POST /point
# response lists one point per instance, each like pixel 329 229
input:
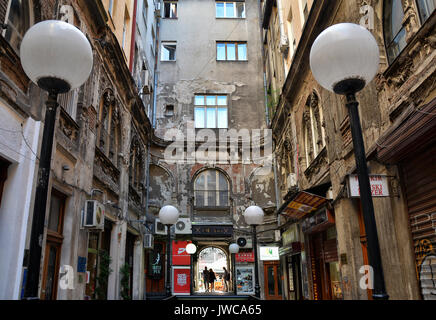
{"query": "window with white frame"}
pixel 212 189
pixel 168 51
pixel 170 9
pixel 230 9
pixel 19 18
pixel 211 112
pixel 68 101
pixel 314 134
pixel 231 51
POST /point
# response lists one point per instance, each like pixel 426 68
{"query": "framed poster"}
pixel 245 280
pixel 181 281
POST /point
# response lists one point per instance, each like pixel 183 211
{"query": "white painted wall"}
pixel 17 203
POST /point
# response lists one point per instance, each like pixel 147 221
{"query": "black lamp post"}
pixel 254 216
pixel 234 249
pixel 344 59
pixel 169 215
pixel 58 58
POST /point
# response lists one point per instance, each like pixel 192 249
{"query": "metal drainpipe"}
pixel 276 186
pixel 156 70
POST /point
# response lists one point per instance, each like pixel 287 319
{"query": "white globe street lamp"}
pixel 344 59
pixel 234 248
pixel 191 249
pixel 254 216
pixel 168 216
pixel 58 58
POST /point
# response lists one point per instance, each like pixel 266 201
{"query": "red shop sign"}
pixel 181 281
pixel 245 256
pixel 180 256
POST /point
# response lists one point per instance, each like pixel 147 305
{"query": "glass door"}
pixel 273 281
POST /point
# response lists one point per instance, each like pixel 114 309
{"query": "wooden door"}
pixel 273 281
pixel 53 247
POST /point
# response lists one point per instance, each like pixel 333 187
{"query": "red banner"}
pixel 180 256
pixel 182 281
pixel 245 256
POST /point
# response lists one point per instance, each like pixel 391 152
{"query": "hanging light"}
pixel 234 248
pixel 169 215
pixel 191 248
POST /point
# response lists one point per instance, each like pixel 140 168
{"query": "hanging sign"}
pixel 379 186
pixel 244 257
pixel 181 257
pixel 269 254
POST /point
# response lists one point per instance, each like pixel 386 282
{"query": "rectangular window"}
pixel 170 9
pixel 111 7
pixel 231 51
pixel 168 51
pixel 211 112
pixel 230 9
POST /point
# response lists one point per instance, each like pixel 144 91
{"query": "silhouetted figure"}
pixel 206 279
pixel 226 280
pixel 212 278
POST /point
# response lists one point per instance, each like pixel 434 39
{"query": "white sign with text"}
pixel 379 186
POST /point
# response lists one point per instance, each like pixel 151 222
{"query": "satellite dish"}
pixel 242 242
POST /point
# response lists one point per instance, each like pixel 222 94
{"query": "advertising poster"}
pixel 180 256
pixel 245 280
pixel 181 280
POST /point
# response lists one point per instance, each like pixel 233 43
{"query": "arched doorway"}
pixel 216 259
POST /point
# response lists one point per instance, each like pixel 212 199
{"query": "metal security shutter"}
pixel 419 172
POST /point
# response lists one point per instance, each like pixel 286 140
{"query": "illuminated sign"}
pixel 269 254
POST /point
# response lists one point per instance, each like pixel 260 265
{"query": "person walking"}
pixel 226 280
pixel 212 278
pixel 206 279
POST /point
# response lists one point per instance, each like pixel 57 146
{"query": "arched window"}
pixel 314 135
pixel 108 128
pixel 211 189
pixel 136 163
pixel 19 18
pixel 425 8
pixel 394 31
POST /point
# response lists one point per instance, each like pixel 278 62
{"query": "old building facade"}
pixel 210 83
pixel 324 250
pixel 100 147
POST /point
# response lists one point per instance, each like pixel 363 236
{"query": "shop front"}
pixel 320 231
pixel 290 255
pixel 412 147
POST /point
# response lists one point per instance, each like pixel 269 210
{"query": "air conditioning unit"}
pixel 93 215
pixel 159 228
pixel 245 243
pixel 148 241
pixel 184 226
pixel 291 181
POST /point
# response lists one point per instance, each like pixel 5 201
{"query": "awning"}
pixel 303 204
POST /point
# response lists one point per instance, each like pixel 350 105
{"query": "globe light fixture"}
pixel 254 216
pixel 191 248
pixel 57 57
pixel 234 248
pixel 344 59
pixel 169 215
